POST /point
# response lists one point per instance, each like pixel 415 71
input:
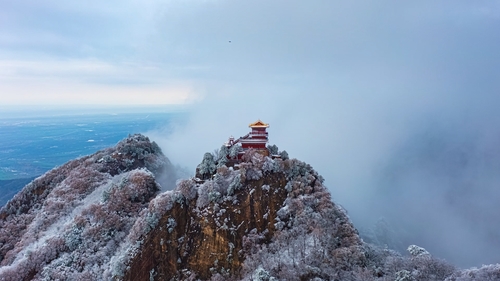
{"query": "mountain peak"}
pixel 259 217
pixel 219 227
pixel 79 211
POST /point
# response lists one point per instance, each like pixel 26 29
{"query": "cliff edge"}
pixel 267 215
pixel 106 216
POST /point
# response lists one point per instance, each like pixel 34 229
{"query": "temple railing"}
pixel 243 137
pixel 248 135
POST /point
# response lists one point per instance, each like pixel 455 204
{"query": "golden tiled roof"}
pixel 258 124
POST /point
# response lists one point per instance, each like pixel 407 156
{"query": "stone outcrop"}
pixel 210 240
pixel 269 206
pixel 105 217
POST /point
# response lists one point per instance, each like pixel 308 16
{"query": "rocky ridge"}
pixel 105 217
pixel 219 228
pixel 68 223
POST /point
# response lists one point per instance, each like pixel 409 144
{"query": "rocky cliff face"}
pixel 212 229
pixel 188 240
pixel 105 217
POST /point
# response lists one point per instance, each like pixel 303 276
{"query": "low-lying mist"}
pixel 395 104
pixel 418 173
pixel 439 188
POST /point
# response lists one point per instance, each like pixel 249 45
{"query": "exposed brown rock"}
pixel 212 238
pixel 103 217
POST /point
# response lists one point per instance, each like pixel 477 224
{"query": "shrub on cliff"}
pixel 207 166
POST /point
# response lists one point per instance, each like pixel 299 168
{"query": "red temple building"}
pixel 256 139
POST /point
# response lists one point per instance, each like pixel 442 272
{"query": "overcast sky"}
pixel 163 52
pixel 343 84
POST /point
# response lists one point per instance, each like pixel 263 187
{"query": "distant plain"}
pixel 31 146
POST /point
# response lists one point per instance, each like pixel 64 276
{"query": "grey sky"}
pixel 181 48
pixel 344 84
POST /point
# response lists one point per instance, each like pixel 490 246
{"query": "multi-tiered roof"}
pixel 256 139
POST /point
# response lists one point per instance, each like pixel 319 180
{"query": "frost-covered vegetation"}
pixel 311 238
pixel 314 239
pixel 70 223
pixel 484 273
pixel 104 217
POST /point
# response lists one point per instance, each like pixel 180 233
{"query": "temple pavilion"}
pixel 256 139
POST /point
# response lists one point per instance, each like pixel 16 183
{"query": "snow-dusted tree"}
pixel 270 165
pixel 485 273
pixel 234 151
pixel 248 155
pixel 223 152
pixel 187 188
pixel 284 155
pixel 207 166
pixel 404 275
pixel 216 153
pixel 261 274
pixel 273 149
pixel 222 156
pixel 417 251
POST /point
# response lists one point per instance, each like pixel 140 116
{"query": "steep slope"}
pixel 218 228
pixel 68 223
pixel 104 217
